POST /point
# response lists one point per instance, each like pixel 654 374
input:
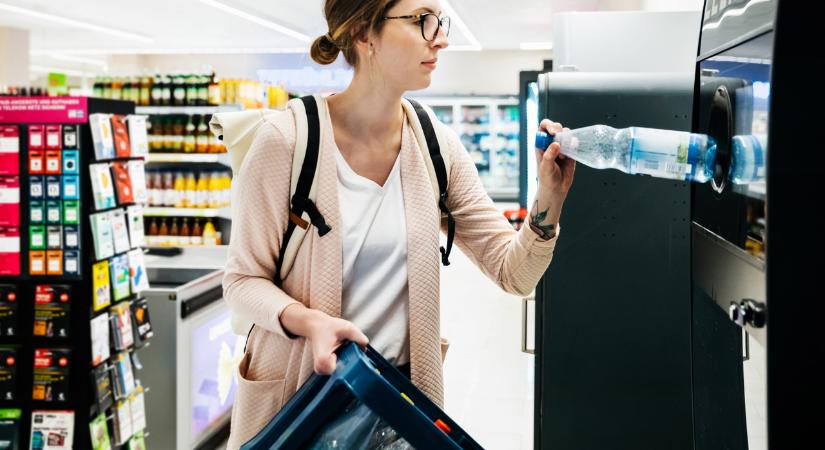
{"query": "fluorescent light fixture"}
pixel 258 20
pixel 455 20
pixel 180 51
pixel 536 46
pixel 75 23
pixel 70 72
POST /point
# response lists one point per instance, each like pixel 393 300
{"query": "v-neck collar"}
pixel 342 163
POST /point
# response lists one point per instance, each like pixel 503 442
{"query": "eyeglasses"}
pixel 430 23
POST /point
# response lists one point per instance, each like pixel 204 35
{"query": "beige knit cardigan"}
pixel 274 365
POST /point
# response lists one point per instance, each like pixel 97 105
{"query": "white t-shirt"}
pixel 374 234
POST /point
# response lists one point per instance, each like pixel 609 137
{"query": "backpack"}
pixel 237 130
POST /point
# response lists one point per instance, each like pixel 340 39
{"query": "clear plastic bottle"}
pixel 675 155
pixel 748 159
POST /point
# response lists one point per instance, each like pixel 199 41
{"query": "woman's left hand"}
pixel 555 170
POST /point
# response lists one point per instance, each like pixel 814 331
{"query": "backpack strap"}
pixel 425 132
pixel 302 208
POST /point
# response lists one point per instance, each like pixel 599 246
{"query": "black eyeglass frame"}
pixel 421 18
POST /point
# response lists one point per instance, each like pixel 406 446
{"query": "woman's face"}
pixel 401 56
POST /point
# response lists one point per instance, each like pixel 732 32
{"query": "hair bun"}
pixel 324 50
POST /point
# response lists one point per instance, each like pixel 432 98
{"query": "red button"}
pixel 443 426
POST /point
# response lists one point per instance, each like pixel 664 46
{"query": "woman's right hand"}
pixel 324 333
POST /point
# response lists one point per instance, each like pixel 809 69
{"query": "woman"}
pixel 374 277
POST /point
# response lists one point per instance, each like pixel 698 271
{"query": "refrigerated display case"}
pixel 488 127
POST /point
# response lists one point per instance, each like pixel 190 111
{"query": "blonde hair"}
pixel 348 21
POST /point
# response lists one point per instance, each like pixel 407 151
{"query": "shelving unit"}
pixel 197 158
pixel 157 110
pixel 489 129
pixel 190 162
pixel 160 211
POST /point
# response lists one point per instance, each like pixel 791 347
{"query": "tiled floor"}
pixel 488 381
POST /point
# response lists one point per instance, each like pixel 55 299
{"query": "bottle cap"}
pixel 543 140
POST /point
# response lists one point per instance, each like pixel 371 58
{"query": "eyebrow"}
pixel 429 10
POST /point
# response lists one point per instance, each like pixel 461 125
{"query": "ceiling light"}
pixel 536 46
pixel 260 21
pixel 456 20
pixel 180 51
pixel 75 23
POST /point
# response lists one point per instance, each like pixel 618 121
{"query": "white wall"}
pixel 14 57
pixel 459 73
pixel 627 41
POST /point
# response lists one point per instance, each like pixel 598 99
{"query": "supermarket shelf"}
pixel 220 158
pixel 187 109
pixel 155 211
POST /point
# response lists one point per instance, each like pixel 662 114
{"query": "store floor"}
pixel 488 380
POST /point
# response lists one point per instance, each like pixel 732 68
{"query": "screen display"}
pixel 215 355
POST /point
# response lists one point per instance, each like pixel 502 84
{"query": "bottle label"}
pixel 660 153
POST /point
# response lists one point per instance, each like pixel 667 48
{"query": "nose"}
pixel 441 42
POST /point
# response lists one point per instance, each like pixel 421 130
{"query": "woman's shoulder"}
pixel 280 125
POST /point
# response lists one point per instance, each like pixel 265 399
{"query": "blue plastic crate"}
pixel 366 403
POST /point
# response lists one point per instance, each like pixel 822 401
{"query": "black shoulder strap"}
pixel 440 173
pixel 300 202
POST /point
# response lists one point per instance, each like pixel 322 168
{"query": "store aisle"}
pixel 488 381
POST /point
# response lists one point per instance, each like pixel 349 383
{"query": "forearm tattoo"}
pixel 545 231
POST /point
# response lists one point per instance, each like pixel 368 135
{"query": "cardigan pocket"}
pixel 256 403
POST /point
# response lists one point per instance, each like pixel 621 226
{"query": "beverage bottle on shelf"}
pixel 117 88
pixel 209 235
pixel 225 191
pixel 173 196
pixel 675 155
pixel 166 90
pixel 748 159
pixel 191 90
pixel 202 136
pixel 145 90
pixel 196 236
pixel 214 90
pixel 183 236
pixel 106 87
pixel 177 196
pixel 174 233
pixel 157 91
pixel 190 138
pixel 167 128
pixel 213 189
pixel 202 191
pixel 178 132
pixel 150 186
pixel 163 234
pixel 152 234
pixel 97 87
pixel 203 90
pixel 126 89
pixel 152 133
pixel 190 190
pixel 178 90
